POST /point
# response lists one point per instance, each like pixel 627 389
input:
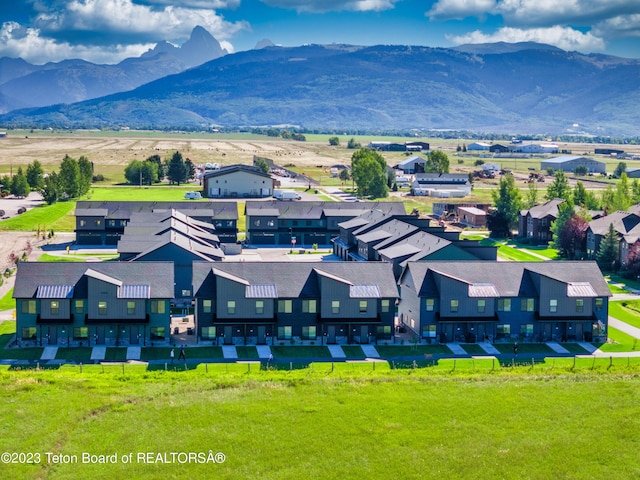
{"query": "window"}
pixel 553 305
pixel 231 307
pixel 526 329
pixel 454 304
pixel 270 223
pixel 429 304
pixel 363 306
pixel 429 331
pixel 29 333
pixel 309 333
pixel 206 306
pixel 54 307
pixel 285 306
pixel 80 333
pixel 284 333
pixel 335 306
pixel 29 306
pixel 102 308
pixel 309 306
pixel 158 306
pixel 503 330
pixel 208 333
pixel 131 308
pixel 482 304
pixel 599 303
pixel 78 305
pixel 157 333
pixel 111 223
pixel 83 223
pixel 383 330
pixel 579 305
pixel 504 304
pixel 186 293
pixel 527 304
pixel 259 306
pixel 98 222
pixel 384 306
pixel 256 222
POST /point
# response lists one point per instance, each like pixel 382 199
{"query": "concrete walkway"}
pixel 370 351
pixel 556 347
pixel 98 353
pixel 133 353
pixel 457 349
pixel 229 352
pixel 587 346
pixel 49 353
pixel 336 351
pixel 489 348
pixel 264 351
pixel 624 327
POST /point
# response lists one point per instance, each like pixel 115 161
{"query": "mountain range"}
pixel 23 85
pixel 502 88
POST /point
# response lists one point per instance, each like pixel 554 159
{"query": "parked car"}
pixel 192 195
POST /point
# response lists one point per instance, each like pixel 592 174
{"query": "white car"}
pixel 192 195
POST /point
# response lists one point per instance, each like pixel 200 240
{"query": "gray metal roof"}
pixel 54 291
pixel 124 210
pixel 364 291
pixel 261 291
pixel 103 277
pixel 135 291
pixel 483 290
pixel 580 289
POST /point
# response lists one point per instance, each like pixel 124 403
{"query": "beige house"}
pixel 237 181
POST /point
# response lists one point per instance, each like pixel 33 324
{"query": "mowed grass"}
pixel 58 217
pixel 627 311
pixel 342 425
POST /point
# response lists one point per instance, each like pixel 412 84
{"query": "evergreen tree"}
pixel 177 171
pixel 35 176
pixel 161 167
pixel 565 212
pixel 19 184
pixel 608 253
pixel 622 195
pixel 86 175
pixel 191 169
pixel 508 202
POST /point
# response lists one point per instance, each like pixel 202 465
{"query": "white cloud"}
pixel 17 41
pixel 107 31
pixel 621 26
pixel 460 9
pixel 212 4
pixel 322 6
pixel 562 37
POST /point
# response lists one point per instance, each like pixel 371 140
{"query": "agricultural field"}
pixel 348 422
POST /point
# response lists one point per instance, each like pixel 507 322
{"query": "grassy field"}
pixel 627 311
pixel 6 302
pixel 345 424
pixel 58 217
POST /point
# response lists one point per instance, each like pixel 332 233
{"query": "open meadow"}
pixel 349 423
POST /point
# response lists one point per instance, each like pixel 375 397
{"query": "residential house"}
pixel 103 223
pixel 624 224
pixel 510 301
pixel 279 223
pixel 81 304
pixel 535 223
pixel 277 302
pixel 237 181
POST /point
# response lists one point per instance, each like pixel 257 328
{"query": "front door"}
pixel 331 334
pixel 448 332
pixel 133 335
pixel 52 335
pixel 100 335
pixel 364 334
pixel 228 335
pixel 262 334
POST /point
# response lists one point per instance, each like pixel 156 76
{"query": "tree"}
pixel 580 171
pixel 635 192
pixel 161 168
pixel 532 195
pixel 565 212
pixel 35 176
pixel 369 171
pixel 5 183
pixel 559 188
pixel 19 184
pixel 334 141
pixel 498 224
pixel 177 171
pixel 69 177
pixel 632 266
pixel 508 202
pixel 262 164
pixel 607 199
pixel 579 194
pixel 86 175
pixel 52 190
pixel 608 252
pixel 344 175
pixel 438 162
pixel 620 169
pixel 571 237
pixel 352 144
pixel 622 195
pixel 191 169
pixel 141 173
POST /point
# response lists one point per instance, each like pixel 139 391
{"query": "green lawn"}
pixel 473 349
pixel 281 352
pixel 45 257
pixel 390 351
pixel 524 348
pixel 247 352
pixel 74 354
pixel 6 302
pixel 574 348
pixel 115 354
pixel 58 217
pixel 620 342
pixel 622 311
pixel 316 424
pixel 354 352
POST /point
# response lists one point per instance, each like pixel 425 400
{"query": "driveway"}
pixel 11 204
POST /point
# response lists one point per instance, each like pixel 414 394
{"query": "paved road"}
pixel 624 327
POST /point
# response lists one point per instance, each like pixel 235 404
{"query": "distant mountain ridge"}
pixel 526 88
pixel 24 85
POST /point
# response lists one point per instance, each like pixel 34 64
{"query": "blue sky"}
pixel 107 31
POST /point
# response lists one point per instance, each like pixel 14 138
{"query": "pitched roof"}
pixel 545 209
pixel 236 168
pixel 623 223
pixel 316 210
pixel 124 210
pixel 158 276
